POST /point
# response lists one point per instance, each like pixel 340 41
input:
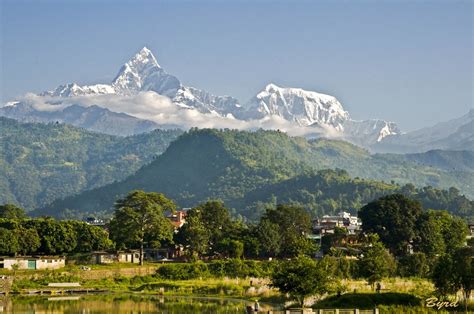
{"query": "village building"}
pixel 104 257
pixel 94 221
pixel 328 224
pixel 33 262
pixel 178 218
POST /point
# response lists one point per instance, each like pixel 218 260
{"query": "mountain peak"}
pixel 145 55
pixel 271 87
pixel 136 73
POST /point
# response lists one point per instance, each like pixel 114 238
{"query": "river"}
pixel 124 303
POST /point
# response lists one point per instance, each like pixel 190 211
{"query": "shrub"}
pixel 183 271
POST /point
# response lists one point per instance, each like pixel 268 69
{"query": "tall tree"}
pixel 139 219
pixel 194 234
pixel 393 218
pixel 292 225
pixel 269 238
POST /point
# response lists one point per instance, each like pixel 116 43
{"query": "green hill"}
pixel 232 165
pixel 43 162
pixel 331 191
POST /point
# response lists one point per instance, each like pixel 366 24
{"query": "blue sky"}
pixel 406 61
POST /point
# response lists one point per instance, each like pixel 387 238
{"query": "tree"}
pixel 194 235
pixel 429 237
pixel 217 220
pixel 301 277
pixel 415 264
pixel 444 276
pixel 207 227
pixel 91 238
pixel 11 211
pixel 285 229
pixel 269 238
pixel 28 240
pixel 139 219
pixel 463 259
pixel 393 218
pixel 8 242
pixel 330 240
pixel 455 271
pixel 453 229
pixel 57 237
pixel 231 248
pixel 376 262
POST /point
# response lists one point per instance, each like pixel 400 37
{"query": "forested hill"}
pixel 204 164
pixel 43 162
pixel 330 191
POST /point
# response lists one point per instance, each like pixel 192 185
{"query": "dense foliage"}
pixel 49 236
pixel 231 268
pixel 139 220
pixel 403 225
pixel 248 170
pixel 43 162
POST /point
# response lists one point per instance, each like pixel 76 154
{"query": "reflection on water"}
pixel 124 304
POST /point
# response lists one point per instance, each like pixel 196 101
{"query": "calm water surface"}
pixel 124 304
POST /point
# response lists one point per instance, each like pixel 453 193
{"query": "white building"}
pixel 345 220
pixel 33 262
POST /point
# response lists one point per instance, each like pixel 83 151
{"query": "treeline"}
pixel 25 236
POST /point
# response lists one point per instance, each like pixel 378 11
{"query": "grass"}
pixel 420 287
pixel 369 300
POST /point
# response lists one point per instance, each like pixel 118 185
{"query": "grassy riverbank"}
pixel 126 278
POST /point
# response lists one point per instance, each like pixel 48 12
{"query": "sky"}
pixel 410 62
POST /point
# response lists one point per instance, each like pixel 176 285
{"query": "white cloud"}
pixel 160 109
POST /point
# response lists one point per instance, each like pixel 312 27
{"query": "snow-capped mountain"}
pixel 455 134
pixel 143 73
pixel 142 77
pixel 308 108
pixel 305 108
pixel 72 89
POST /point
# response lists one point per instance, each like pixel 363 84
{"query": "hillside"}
pixel 43 162
pixel 330 191
pixel 207 163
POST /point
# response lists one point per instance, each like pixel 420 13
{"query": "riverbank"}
pixel 125 278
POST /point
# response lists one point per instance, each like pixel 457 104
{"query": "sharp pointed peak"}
pixel 145 50
pixel 144 56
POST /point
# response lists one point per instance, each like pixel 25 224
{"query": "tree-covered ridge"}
pixel 43 162
pixel 330 191
pixel 242 168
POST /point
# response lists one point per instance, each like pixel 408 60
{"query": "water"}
pixel 125 303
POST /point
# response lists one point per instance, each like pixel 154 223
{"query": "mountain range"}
pixel 143 96
pixel 231 165
pixel 455 134
pixel 43 162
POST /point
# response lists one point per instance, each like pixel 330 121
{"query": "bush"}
pixel 233 268
pixel 236 268
pixel 183 271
